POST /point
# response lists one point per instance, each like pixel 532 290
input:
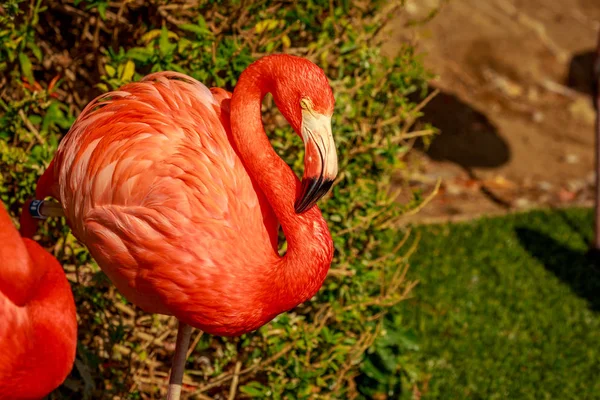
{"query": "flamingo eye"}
pixel 305 104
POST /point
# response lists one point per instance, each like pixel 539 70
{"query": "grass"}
pixel 507 308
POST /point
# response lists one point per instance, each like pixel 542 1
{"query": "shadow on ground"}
pixel 467 137
pixel 577 269
pixel 581 75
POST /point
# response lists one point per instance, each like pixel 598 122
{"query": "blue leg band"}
pixel 34 209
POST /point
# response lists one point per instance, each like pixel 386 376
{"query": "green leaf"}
pixel 34 119
pixel 26 67
pixel 141 54
pixel 164 46
pixel 150 35
pixel 35 50
pixel 54 115
pixel 200 31
pixel 37 154
pixel 128 71
pixel 177 68
pixel 260 27
pixel 183 44
pixel 35 17
pixel 110 70
pixel 102 10
pixel 254 389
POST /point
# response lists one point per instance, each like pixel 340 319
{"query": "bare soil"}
pixel 514 109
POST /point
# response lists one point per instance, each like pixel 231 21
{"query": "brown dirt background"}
pixel 514 109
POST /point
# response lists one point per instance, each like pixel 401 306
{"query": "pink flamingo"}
pixel 38 325
pixel 178 195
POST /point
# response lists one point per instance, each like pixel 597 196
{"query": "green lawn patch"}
pixel 507 308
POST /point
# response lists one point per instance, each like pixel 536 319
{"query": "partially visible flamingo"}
pixel 38 325
pixel 178 195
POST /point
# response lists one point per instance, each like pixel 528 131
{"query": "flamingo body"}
pixel 152 180
pixel 38 325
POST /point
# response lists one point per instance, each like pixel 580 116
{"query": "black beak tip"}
pixel 299 209
pixel 312 190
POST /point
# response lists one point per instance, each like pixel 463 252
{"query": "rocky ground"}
pixel 514 107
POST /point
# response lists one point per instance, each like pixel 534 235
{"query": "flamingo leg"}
pixel 184 332
pixel 43 209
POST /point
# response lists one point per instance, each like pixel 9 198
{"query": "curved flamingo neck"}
pixel 38 292
pixel 18 274
pixel 51 337
pixel 299 274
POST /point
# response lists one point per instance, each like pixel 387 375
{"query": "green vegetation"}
pixel 55 56
pixel 507 308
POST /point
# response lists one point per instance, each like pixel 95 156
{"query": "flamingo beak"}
pixel 320 160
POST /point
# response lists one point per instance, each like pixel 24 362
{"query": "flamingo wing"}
pixel 151 183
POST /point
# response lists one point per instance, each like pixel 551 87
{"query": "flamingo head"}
pixel 305 98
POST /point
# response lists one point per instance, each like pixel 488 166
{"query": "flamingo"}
pixel 178 194
pixel 38 325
